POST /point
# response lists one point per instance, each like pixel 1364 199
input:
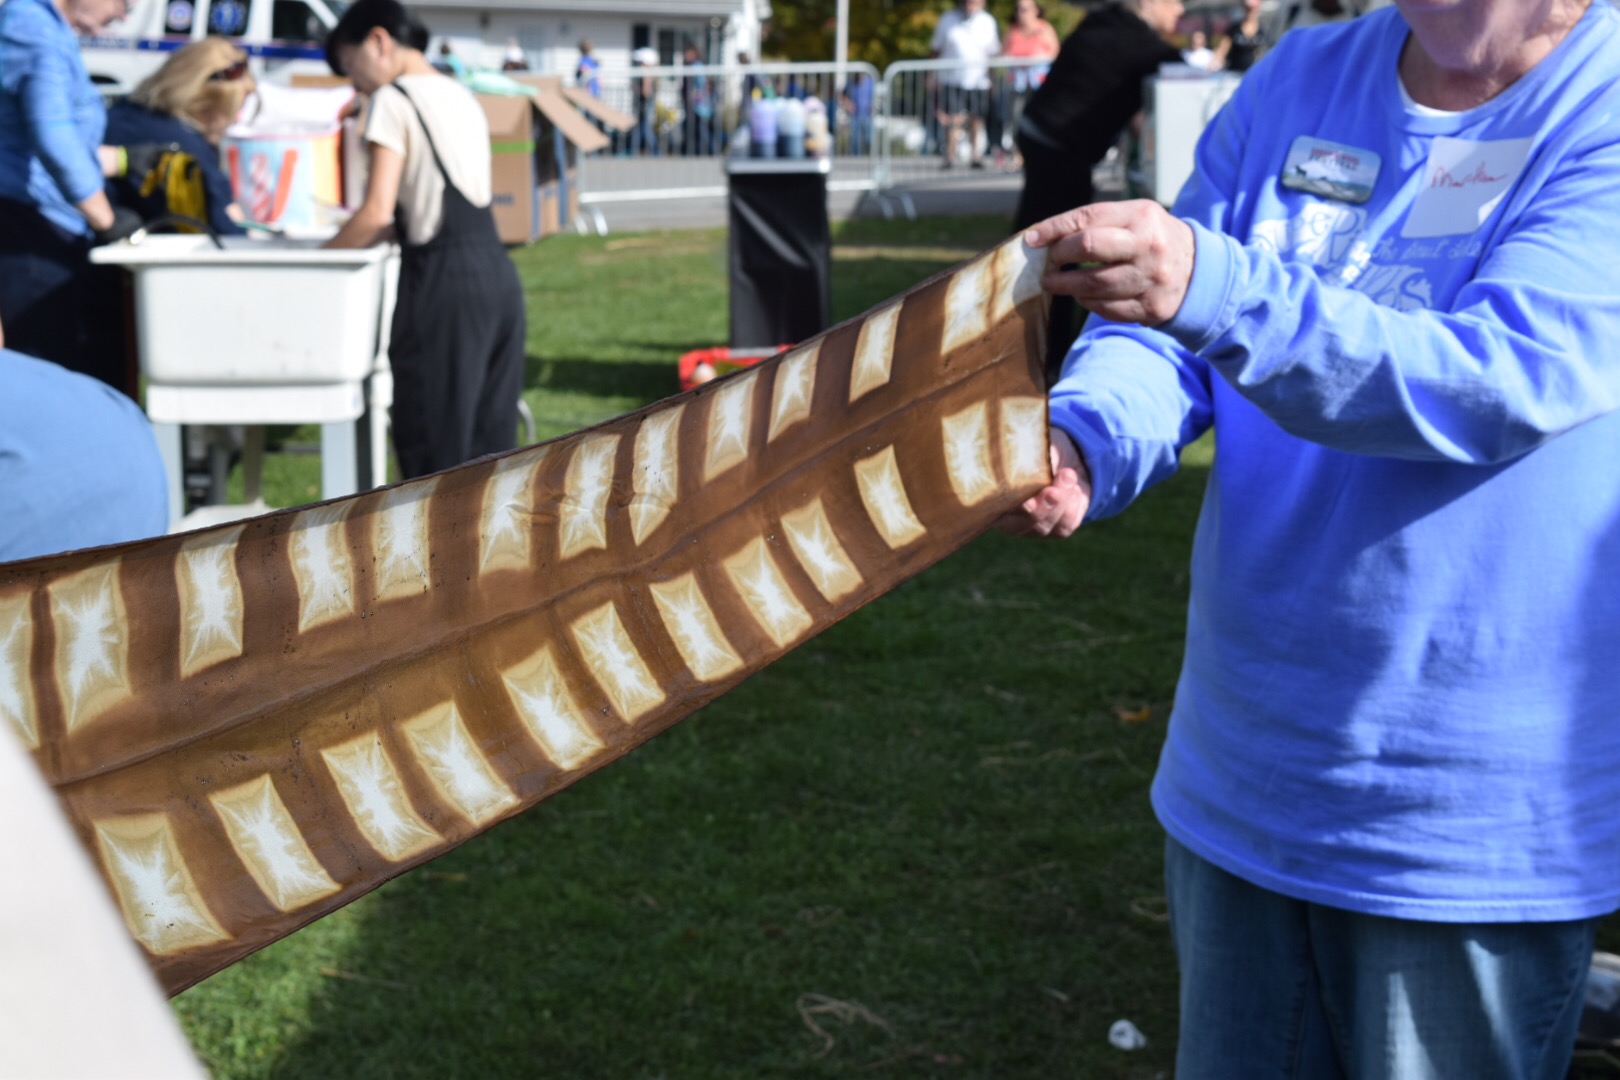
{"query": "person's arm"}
pixel 1049 39
pixel 1130 398
pixel 375 218
pixel 1523 353
pixel 224 216
pixel 46 94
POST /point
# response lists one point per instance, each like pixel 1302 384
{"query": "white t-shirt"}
pixel 459 131
pixel 971 40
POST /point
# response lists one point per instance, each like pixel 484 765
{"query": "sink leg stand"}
pixel 174 469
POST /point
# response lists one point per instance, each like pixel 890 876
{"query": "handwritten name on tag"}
pixel 1462 183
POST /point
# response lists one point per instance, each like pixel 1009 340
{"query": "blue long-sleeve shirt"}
pixel 51 117
pixel 1398 693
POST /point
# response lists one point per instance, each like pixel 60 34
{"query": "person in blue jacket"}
pixel 52 204
pixel 1392 773
pixel 188 103
pixel 79 466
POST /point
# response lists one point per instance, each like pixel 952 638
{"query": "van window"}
pixel 291 20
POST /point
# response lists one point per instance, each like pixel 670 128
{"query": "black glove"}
pixel 142 158
pixel 124 223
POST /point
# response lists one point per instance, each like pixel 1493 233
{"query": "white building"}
pixel 549 31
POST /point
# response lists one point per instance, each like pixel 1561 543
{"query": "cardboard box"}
pixel 534 147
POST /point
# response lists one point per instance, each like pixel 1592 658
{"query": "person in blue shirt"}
pixel 187 103
pixel 588 72
pixel 857 103
pixel 78 464
pixel 1392 770
pixel 52 205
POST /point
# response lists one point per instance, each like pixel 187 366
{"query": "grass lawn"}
pixel 918 846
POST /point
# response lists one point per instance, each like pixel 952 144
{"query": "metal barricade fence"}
pixel 940 120
pixel 686 120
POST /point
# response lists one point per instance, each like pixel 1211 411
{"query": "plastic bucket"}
pixel 285 178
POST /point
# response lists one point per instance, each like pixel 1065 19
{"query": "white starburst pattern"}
pixel 549 711
pixel 1018 270
pixel 160 902
pixel 967 304
pixel 589 485
pixel 763 588
pixel 884 494
pixel 373 792
pixel 654 477
pixel 731 415
pixel 91 650
pixel 795 388
pixel 874 351
pixel 696 632
pixel 1024 441
pixel 16 691
pixel 269 844
pixel 399 540
pixel 455 767
pixel 967 453
pixel 322 566
pixel 210 600
pixel 508 510
pixel 612 658
pixel 810 535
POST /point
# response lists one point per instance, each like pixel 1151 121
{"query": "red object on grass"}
pixel 722 361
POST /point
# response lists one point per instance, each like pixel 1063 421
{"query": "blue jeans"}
pixel 1276 987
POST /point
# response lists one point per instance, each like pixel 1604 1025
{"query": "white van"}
pixel 281 37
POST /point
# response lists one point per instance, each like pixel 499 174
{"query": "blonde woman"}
pixel 188 102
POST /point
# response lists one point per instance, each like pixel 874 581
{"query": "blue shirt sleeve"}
pixel 42 73
pixel 1523 353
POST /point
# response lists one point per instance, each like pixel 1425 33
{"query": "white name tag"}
pixel 1332 170
pixel 1462 183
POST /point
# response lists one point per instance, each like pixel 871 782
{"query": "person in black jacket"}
pixel 1088 99
pixel 187 104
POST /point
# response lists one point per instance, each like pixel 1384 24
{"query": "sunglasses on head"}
pixel 230 74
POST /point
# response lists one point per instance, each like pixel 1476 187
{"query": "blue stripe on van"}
pixel 273 51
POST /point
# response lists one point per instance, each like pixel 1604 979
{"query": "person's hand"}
pixel 1135 259
pixel 1060 507
pixel 123 225
pixel 140 159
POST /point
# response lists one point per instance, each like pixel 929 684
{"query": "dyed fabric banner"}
pixel 251 726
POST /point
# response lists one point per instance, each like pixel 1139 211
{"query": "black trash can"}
pixel 781 250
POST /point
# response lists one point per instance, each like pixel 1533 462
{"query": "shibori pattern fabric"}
pixel 251 726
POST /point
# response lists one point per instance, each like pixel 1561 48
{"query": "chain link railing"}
pixel 943 120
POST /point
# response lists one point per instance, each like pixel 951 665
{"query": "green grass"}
pixel 924 833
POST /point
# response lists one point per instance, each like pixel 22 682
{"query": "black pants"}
pixel 54 304
pixel 1054 181
pixel 457 355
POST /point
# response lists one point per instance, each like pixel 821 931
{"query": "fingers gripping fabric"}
pixel 253 725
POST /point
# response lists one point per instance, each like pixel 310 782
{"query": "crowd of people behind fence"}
pixel 965 113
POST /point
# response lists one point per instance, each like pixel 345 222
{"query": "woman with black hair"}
pixel 457 349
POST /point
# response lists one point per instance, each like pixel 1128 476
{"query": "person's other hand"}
pixel 141 158
pixel 1060 507
pixel 124 224
pixel 1135 259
